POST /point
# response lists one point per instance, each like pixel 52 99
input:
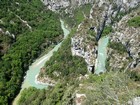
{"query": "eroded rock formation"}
pixel 103 14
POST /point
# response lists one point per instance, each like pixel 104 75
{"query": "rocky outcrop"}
pixel 89 53
pixel 129 37
pixel 102 14
pixel 83 47
pixel 44 81
pixel 80 98
pixel 134 101
pixel 58 4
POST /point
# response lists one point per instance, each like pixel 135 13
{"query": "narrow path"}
pixel 35 67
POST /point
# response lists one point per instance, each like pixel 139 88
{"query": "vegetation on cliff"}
pixel 109 88
pixel 62 63
pixel 135 21
pixel 77 16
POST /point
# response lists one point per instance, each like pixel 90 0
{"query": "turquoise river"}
pixel 34 69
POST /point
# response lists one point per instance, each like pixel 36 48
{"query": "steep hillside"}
pixel 27 28
pixel 18 17
pixel 124 52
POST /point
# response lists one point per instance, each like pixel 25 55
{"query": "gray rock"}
pixel 134 101
pixel 58 4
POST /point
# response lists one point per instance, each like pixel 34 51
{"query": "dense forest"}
pixel 59 95
pixel 30 29
pixel 18 17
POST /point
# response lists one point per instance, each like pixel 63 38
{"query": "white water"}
pixel 35 67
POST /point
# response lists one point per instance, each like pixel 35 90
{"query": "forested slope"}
pixel 26 29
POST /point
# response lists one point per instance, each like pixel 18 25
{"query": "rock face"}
pixel 135 101
pixel 84 45
pixel 79 98
pixel 44 81
pixel 58 4
pixel 89 53
pixel 129 37
pixel 103 14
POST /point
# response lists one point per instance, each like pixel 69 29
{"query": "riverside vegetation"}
pixel 27 44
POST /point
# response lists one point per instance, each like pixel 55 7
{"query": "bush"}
pixel 107 30
pixel 118 46
pixel 135 74
pixel 78 16
pixel 135 21
pixel 32 96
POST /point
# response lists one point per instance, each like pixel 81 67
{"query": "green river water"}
pixel 102 55
pixel 35 67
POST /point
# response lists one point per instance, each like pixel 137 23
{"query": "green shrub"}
pixel 135 75
pixel 107 30
pixel 32 96
pixel 78 15
pixel 118 46
pixel 135 21
pixel 110 88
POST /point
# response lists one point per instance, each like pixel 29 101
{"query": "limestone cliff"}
pixel 129 37
pixel 58 4
pixel 104 14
